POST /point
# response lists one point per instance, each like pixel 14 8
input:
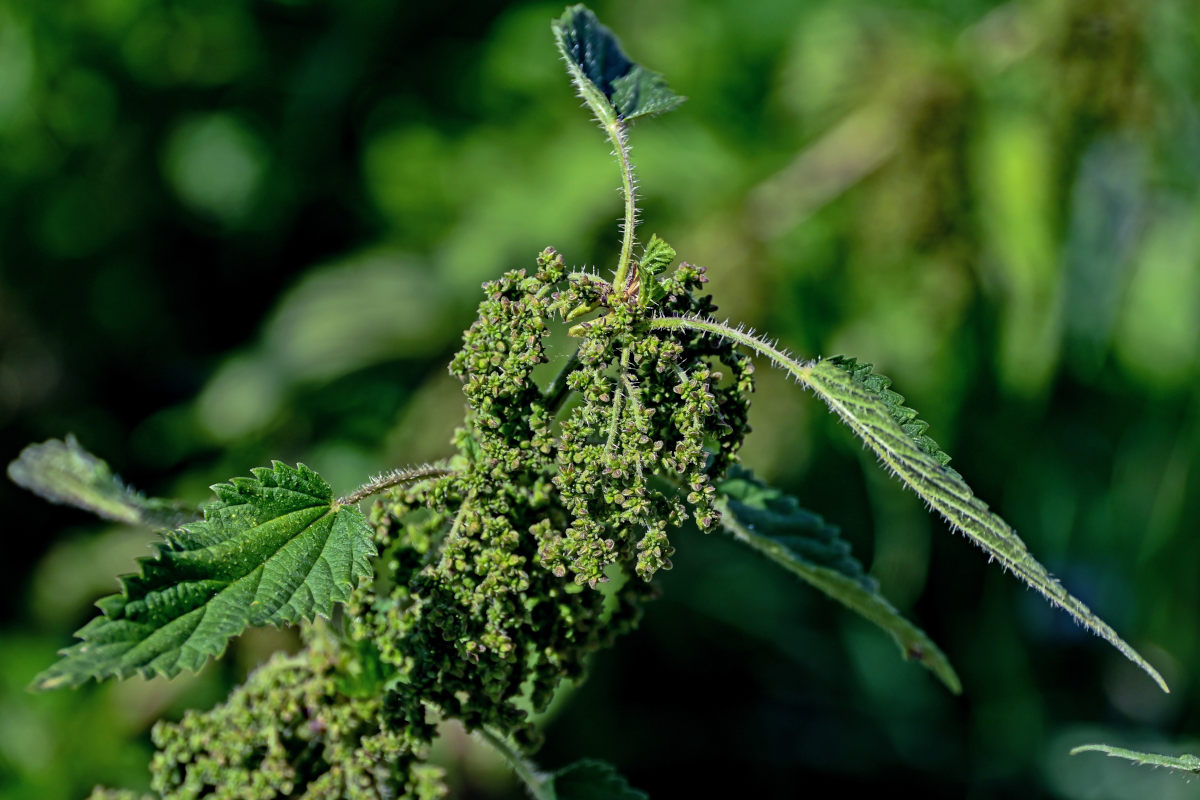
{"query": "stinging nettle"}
pixel 471 587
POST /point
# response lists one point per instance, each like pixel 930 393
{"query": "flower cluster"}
pixel 296 729
pixel 490 599
pixel 488 590
pixel 657 412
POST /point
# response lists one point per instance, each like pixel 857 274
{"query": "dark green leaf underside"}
pixel 775 525
pixel 1184 763
pixel 273 549
pixel 631 89
pixel 591 780
pixel 65 473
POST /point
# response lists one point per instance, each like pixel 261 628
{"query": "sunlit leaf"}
pixel 274 549
pixel 878 416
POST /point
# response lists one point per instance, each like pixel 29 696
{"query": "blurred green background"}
pixel 232 230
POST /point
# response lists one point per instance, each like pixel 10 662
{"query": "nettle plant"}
pixel 473 587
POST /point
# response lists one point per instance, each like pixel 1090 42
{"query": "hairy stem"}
pixel 631 390
pixel 1185 762
pixel 524 769
pixel 617 135
pixel 614 126
pixel 587 276
pixel 614 419
pixel 394 478
pixel 797 369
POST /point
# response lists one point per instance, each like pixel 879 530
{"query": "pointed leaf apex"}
pixel 852 391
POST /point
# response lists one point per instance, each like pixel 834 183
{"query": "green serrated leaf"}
pixel 65 473
pixel 774 524
pixel 642 93
pixel 869 408
pixel 1184 763
pixel 657 256
pixel 908 419
pixel 590 779
pixel 273 549
pixel 598 65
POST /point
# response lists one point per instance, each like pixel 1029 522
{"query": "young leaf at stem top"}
pixel 273 549
pixel 616 90
pixel 594 55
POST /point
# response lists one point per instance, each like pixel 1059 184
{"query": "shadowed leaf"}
pixel 591 780
pixel 801 542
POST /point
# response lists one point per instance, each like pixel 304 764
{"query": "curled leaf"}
pixel 65 473
pixel 596 61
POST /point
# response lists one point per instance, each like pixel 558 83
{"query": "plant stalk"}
pixel 797 369
pixel 524 769
pixel 558 391
pixel 394 478
pixel 616 134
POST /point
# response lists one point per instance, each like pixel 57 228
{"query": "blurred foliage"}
pixel 998 204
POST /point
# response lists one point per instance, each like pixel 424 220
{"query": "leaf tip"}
pixel 49 680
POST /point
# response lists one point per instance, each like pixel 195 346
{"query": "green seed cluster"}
pixel 656 413
pixel 485 594
pixel 488 605
pixel 480 624
pixel 292 731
